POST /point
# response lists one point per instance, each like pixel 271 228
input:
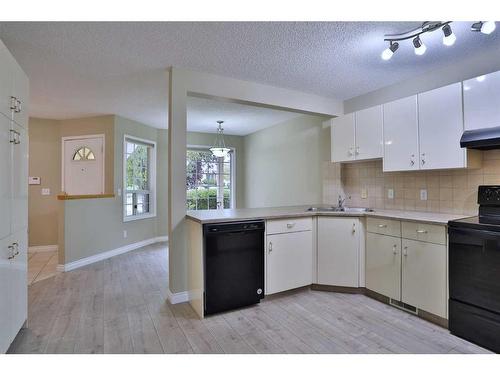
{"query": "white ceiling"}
pixel 82 69
pixel 239 119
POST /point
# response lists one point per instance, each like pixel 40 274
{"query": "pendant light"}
pixel 219 148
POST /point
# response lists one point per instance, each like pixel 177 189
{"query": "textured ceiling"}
pixel 81 69
pixel 239 119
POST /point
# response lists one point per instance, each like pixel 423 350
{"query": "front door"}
pixel 83 165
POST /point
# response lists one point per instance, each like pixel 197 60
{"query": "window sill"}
pixel 138 217
pixel 65 197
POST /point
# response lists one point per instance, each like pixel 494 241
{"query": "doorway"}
pixel 83 165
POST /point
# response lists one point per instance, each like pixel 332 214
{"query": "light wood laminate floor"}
pixel 41 265
pixel 119 306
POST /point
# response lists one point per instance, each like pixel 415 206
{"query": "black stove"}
pixel 474 272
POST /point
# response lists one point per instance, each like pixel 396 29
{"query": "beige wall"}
pixel 448 191
pixel 44 162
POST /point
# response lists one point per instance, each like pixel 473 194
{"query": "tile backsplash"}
pixel 448 191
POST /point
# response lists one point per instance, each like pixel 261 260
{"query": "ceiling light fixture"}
pixel 449 38
pixel 420 47
pixel 389 51
pixel 219 148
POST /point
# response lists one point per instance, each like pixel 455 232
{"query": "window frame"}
pixel 152 179
pixel 233 171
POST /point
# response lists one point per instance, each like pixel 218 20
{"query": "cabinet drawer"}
pixel 289 225
pixel 384 226
pixel 424 232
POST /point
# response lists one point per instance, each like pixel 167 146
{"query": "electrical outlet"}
pixel 423 194
pixel 390 193
pixel 45 191
pixel 125 234
pixel 364 193
pixel 119 192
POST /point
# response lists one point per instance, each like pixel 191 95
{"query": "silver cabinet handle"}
pixel 405 251
pixel 18 106
pixel 412 163
pixel 350 153
pixel 353 228
pixel 382 225
pixel 16 137
pixel 421 231
pixel 12 255
pixel 357 150
pixel 290 225
pixel 13 103
pixel 395 249
pixel 423 161
pixel 270 247
pixel 16 246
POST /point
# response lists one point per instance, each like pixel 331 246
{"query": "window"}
pixel 209 180
pixel 139 178
pixel 83 153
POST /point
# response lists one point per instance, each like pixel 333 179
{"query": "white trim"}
pixel 175 298
pixel 42 249
pixel 108 254
pixel 90 136
pixel 152 187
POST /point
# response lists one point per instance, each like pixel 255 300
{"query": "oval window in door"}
pixel 83 153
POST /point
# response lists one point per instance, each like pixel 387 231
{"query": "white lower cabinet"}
pixel 424 276
pixel 5 295
pixel 383 264
pixel 289 258
pixel 338 251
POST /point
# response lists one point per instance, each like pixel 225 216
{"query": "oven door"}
pixel 474 267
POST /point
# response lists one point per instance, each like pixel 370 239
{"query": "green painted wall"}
pixel 284 163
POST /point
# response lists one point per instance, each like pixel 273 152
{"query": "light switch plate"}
pixel 125 234
pixel 390 193
pixel 364 193
pixel 34 180
pixel 423 194
pixel 45 191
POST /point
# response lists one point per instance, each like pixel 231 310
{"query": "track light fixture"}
pixel 449 38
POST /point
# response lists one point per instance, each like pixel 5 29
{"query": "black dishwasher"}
pixel 234 265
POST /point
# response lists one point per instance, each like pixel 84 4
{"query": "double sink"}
pixel 338 209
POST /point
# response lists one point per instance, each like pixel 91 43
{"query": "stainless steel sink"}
pixel 356 209
pixel 338 209
pixel 323 209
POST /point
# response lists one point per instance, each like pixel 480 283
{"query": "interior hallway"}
pixel 119 306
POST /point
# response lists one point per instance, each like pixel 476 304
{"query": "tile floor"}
pixel 41 265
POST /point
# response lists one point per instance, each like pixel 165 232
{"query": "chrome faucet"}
pixel 340 202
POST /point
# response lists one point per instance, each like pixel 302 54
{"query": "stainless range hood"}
pixel 481 139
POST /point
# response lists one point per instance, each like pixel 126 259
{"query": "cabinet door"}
pixel 289 261
pixel 19 281
pixel 383 265
pixel 20 90
pixel 401 135
pixel 20 180
pixel 338 251
pixel 5 180
pixel 5 295
pixel 481 98
pixel 440 125
pixel 369 133
pixel 424 276
pixel 5 80
pixel 342 133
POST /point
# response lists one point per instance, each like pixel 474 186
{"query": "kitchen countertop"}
pixel 220 216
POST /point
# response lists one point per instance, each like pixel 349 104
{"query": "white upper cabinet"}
pixel 369 133
pixel 5 181
pixel 5 81
pixel 401 135
pixel 343 142
pixel 440 126
pixel 20 90
pixel 481 99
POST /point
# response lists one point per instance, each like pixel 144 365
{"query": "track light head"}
pixel 486 27
pixel 420 47
pixel 389 51
pixel 449 38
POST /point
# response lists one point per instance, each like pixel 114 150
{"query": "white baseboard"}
pixel 108 254
pixel 42 249
pixel 175 298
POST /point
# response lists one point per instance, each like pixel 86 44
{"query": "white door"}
pixel 5 295
pixel 342 138
pixel 369 133
pixel 19 281
pixel 5 81
pixel 83 162
pixel 19 179
pixel 481 98
pixel 289 261
pixel 338 251
pixel 424 276
pixel 401 135
pixel 5 181
pixel 383 265
pixel 440 124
